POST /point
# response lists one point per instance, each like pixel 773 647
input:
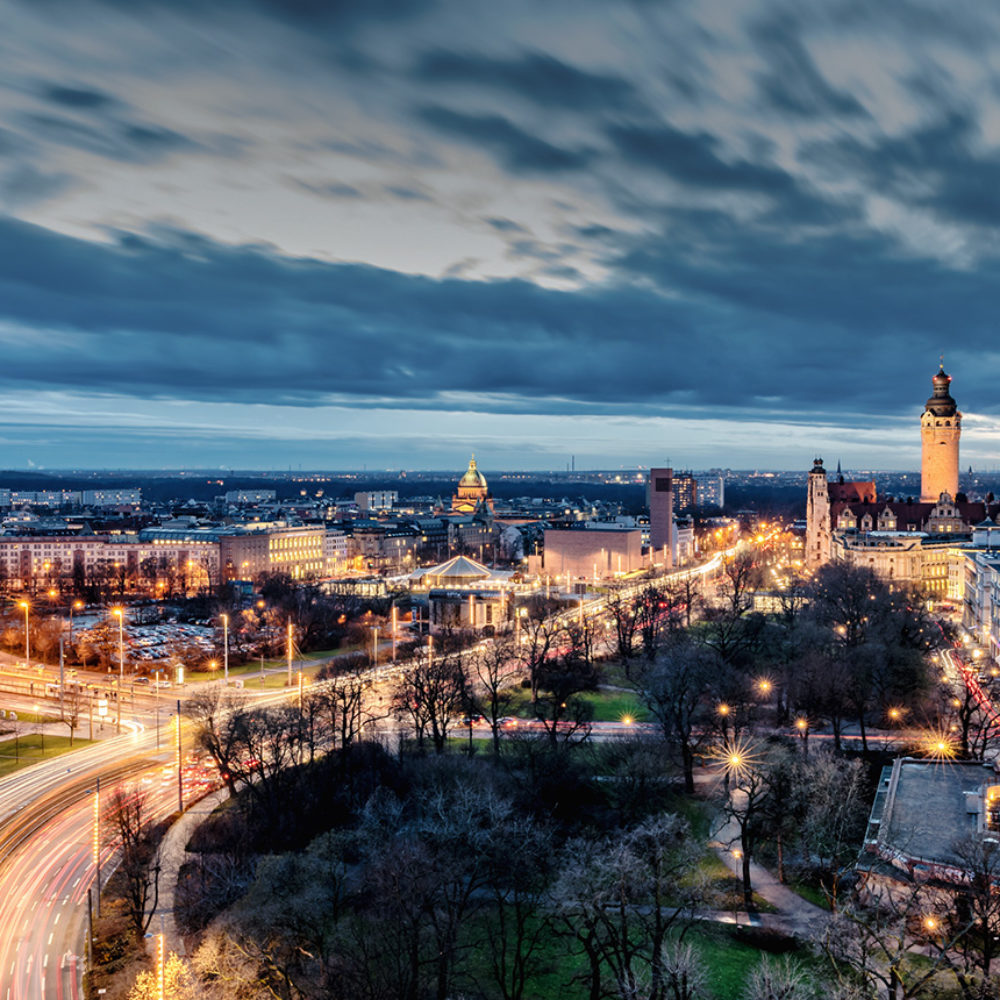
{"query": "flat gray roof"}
pixel 929 809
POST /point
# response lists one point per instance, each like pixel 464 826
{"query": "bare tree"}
pixel 684 974
pixel 519 869
pixel 622 609
pixel 978 908
pixel 494 671
pixel 779 979
pixel 74 701
pixel 675 689
pixel 871 944
pixel 139 862
pixel 430 695
pixel 620 897
pixel 213 709
pixel 746 806
pixel 346 698
pixel 539 634
pixel 685 596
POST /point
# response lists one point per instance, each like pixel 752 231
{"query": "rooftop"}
pixel 929 805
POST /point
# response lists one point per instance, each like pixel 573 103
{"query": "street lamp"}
pixel 225 649
pixel 395 626
pixel 27 642
pixel 156 696
pixel 723 711
pixel 802 725
pixel 74 606
pixel 289 644
pixel 119 613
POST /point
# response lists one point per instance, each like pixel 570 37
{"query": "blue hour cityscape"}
pixel 499 502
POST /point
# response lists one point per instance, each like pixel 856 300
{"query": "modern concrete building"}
pixel 922 812
pixel 661 513
pixel 582 554
pixel 376 499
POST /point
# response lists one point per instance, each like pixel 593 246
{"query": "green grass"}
pixel 308 663
pixel 613 706
pixel 33 717
pixel 727 961
pixel 29 750
pixel 811 894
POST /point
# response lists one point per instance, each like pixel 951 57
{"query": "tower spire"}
pixel 940 430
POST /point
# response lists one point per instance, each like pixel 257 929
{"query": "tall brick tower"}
pixel 940 429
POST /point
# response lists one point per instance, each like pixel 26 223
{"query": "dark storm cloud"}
pixel 792 84
pixel 691 158
pixel 533 76
pixel 505 225
pixel 24 185
pixel 936 166
pixel 163 314
pixel 330 189
pixel 78 98
pixel 402 193
pixel 127 142
pixel 517 149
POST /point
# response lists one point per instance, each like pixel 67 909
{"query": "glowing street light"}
pixel 27 641
pixel 97 841
pixel 395 627
pixel 74 606
pixel 225 649
pixel 119 613
pixel 802 725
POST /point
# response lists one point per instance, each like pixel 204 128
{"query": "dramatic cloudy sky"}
pixel 257 233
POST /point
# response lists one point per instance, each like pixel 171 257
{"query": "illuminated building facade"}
pixel 472 494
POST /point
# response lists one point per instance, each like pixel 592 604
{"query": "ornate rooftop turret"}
pixel 941 403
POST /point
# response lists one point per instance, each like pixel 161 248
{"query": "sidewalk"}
pixel 172 857
pixel 795 914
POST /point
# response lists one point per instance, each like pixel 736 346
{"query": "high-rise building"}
pixel 712 491
pixel 940 429
pixel 685 492
pixel 661 514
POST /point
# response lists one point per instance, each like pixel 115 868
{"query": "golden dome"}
pixel 473 478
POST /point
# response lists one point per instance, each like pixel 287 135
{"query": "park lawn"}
pixel 308 663
pixel 32 717
pixel 613 706
pixel 811 894
pixel 726 959
pixel 29 750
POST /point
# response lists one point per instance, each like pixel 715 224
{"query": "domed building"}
pixel 472 493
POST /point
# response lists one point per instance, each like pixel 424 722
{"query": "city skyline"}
pixel 393 233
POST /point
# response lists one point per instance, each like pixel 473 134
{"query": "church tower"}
pixel 940 429
pixel 818 527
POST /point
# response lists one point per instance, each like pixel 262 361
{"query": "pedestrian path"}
pixel 172 857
